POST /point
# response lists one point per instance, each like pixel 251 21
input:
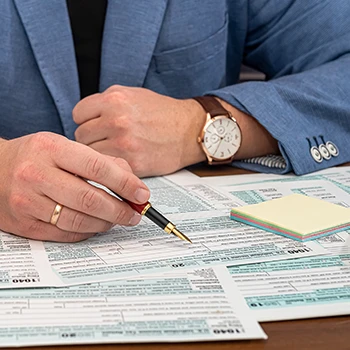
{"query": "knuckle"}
pixel 112 88
pixel 96 168
pixel 28 171
pixel 18 202
pixel 43 141
pixel 125 123
pixel 114 96
pixel 90 200
pixel 78 222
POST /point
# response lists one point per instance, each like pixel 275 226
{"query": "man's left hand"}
pixel 155 134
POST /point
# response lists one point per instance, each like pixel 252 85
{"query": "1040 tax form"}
pixel 316 286
pixel 198 305
pixel 199 210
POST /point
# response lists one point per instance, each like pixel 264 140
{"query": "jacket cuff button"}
pixel 316 155
pixel 332 148
pixel 324 151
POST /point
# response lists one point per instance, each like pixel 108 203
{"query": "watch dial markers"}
pixel 219 138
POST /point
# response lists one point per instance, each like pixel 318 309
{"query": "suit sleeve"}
pixel 303 47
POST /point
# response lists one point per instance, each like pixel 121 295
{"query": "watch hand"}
pixel 218 146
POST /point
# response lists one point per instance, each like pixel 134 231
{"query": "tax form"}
pixel 299 288
pixel 199 210
pixel 197 305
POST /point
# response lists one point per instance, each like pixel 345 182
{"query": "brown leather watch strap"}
pixel 211 105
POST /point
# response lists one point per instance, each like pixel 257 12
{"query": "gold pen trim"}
pixel 169 228
pixel 144 211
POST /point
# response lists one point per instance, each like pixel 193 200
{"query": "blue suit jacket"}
pixel 185 48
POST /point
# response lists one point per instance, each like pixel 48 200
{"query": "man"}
pixel 136 66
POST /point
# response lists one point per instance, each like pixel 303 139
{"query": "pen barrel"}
pixel 156 217
pixel 140 208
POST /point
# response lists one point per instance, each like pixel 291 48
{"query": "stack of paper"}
pixel 296 216
pixel 173 291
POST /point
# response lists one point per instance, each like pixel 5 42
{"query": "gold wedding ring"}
pixel 56 214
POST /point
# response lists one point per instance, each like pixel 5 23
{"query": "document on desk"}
pixel 298 288
pixel 198 210
pixel 198 305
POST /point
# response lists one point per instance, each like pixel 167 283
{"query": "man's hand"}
pixel 155 134
pixel 40 170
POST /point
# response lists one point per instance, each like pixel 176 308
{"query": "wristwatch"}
pixel 221 136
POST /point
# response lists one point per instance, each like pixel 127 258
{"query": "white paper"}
pixel 200 211
pixel 298 288
pixel 198 305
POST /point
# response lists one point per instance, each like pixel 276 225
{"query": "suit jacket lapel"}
pixel 130 35
pixel 48 29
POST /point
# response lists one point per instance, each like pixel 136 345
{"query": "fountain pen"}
pixel 147 210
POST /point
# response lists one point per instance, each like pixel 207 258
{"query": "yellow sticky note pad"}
pixel 296 216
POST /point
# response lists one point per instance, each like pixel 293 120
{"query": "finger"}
pixel 105 148
pixel 76 194
pixel 88 108
pixel 93 106
pixel 43 231
pixel 89 164
pixel 42 208
pixel 74 221
pixel 91 131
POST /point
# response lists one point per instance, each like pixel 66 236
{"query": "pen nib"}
pixel 177 233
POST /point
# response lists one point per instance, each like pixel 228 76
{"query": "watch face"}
pixel 222 138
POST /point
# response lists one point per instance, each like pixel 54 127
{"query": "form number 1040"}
pixel 25 280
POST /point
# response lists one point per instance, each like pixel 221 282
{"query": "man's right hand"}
pixel 40 170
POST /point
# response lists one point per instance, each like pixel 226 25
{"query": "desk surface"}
pixel 331 333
